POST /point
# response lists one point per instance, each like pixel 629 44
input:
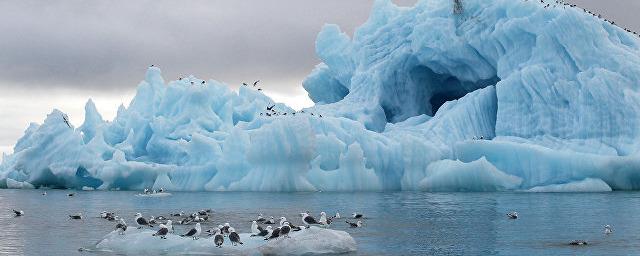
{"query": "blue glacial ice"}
pixel 552 91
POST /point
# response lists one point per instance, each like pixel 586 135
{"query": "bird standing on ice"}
pixel 218 238
pixel 121 227
pixel 273 233
pixel 260 218
pixel 162 232
pixel 142 221
pixel 18 213
pixel 194 232
pixel 270 221
pixel 285 229
pixel 234 237
pixel 308 220
pixel 323 219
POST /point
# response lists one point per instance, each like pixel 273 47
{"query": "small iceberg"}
pixel 312 241
pixel 158 194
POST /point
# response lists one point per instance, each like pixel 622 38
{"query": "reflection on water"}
pixel 398 223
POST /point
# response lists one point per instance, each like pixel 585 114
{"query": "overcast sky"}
pixel 57 54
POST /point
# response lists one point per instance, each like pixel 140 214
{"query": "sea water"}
pixel 401 223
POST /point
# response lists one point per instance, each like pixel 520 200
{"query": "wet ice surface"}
pixel 398 223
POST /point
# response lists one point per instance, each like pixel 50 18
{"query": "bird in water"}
pixel 607 230
pixel 18 213
pixel 76 216
pixel 356 215
pixel 121 227
pixel 218 238
pixel 194 232
pixel 162 232
pixel 356 224
pixel 44 193
pixel 512 215
pixel 70 194
pixel 234 237
pixel 337 216
pixel 578 242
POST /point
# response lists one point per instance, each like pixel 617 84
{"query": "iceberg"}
pixel 312 241
pixel 501 95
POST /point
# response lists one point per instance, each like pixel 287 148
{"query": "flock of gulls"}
pixel 165 225
pixel 554 4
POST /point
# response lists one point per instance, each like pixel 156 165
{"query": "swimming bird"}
pixel 121 227
pixel 285 229
pixel 607 230
pixel 234 237
pixel 273 233
pixel 357 224
pixel 194 232
pixel 356 215
pixel 578 242
pixel 18 213
pixel 308 220
pixel 70 194
pixel 178 214
pixel 162 232
pixel 141 221
pixel 270 221
pixel 512 215
pixel 337 216
pixel 44 193
pixel 76 216
pixel 260 218
pixel 218 239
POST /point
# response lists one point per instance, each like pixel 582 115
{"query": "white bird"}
pixel 254 228
pixel 260 218
pixel 323 218
pixel 512 215
pixel 270 221
pixel 169 226
pixel 282 220
pixel 337 216
pixel 194 232
pixel 607 230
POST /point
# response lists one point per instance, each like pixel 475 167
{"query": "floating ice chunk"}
pixel 586 185
pixel 312 241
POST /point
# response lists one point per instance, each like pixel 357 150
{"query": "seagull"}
pixel 256 83
pixel 194 232
pixel 308 220
pixel 218 239
pixel 356 215
pixel 76 216
pixel 18 213
pixel 234 237
pixel 244 84
pixel 225 229
pixel 282 220
pixel 355 225
pixel 260 218
pixel 44 193
pixel 152 220
pixel 323 218
pixel 178 214
pixel 169 225
pixel 607 230
pixel 512 215
pixel 285 229
pixel 273 233
pixel 337 216
pixel 65 118
pixel 121 227
pixel 294 228
pixel 270 221
pixel 270 108
pixel 142 221
pixel 254 228
pixel 578 242
pixel 162 232
pixel 70 194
